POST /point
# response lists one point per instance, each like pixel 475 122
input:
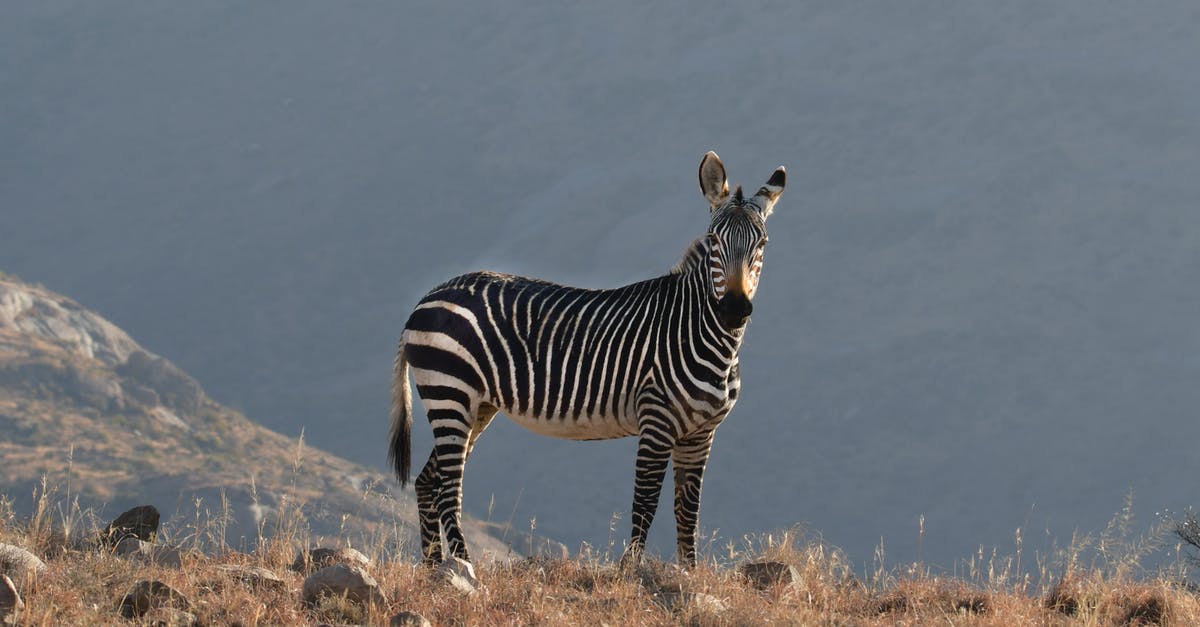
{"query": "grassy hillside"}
pixel 87 587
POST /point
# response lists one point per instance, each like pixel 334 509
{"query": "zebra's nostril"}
pixel 734 309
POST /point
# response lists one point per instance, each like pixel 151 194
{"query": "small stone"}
pixel 135 549
pixel 409 619
pixel 254 576
pixel 20 565
pixel 678 600
pixel 148 595
pixel 140 522
pixel 460 574
pixel 10 602
pixel 769 575
pixel 318 558
pixel 343 580
pixel 169 617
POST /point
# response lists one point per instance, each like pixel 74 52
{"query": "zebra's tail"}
pixel 400 453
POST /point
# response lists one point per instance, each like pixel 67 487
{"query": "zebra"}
pixel 657 359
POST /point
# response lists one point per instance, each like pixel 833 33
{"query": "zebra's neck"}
pixel 695 258
pixel 692 273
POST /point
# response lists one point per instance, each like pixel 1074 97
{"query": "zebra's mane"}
pixel 692 258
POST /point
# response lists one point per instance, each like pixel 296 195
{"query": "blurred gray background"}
pixel 979 305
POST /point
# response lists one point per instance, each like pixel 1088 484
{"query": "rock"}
pixel 132 548
pixel 34 311
pixel 174 387
pixel 319 558
pixel 141 394
pixel 93 387
pixel 409 619
pixel 769 575
pixel 677 599
pixel 460 574
pixel 169 617
pixel 148 595
pixel 140 522
pixel 254 576
pixel 20 565
pixel 343 580
pixel 11 603
pixel 168 418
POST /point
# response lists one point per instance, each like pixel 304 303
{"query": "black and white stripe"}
pixel 656 359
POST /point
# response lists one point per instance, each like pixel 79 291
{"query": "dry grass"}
pixel 86 587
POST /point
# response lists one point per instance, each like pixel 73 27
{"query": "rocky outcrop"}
pixel 343 580
pixel 253 577
pixel 27 310
pixel 140 522
pixel 141 551
pixel 170 385
pixel 318 558
pixel 20 565
pixel 459 574
pixel 51 340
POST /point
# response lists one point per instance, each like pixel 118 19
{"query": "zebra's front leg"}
pixel 451 433
pixel 689 458
pixel 427 497
pixel 654 452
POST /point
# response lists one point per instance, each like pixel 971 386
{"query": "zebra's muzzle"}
pixel 734 310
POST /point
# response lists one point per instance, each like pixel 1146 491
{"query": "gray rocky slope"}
pixel 978 305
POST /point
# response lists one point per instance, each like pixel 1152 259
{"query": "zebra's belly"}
pixel 582 428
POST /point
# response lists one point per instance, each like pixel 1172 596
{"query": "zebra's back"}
pixel 558 360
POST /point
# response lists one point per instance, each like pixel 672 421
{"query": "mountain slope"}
pixel 88 409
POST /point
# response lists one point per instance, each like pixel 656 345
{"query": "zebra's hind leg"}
pixel 688 459
pixel 426 485
pixel 451 435
pixel 653 455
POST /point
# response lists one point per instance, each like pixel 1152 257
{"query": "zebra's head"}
pixel 737 237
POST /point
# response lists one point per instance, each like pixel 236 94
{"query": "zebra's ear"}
pixel 769 192
pixel 713 183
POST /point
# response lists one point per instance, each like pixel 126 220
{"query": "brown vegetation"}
pixel 89 586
